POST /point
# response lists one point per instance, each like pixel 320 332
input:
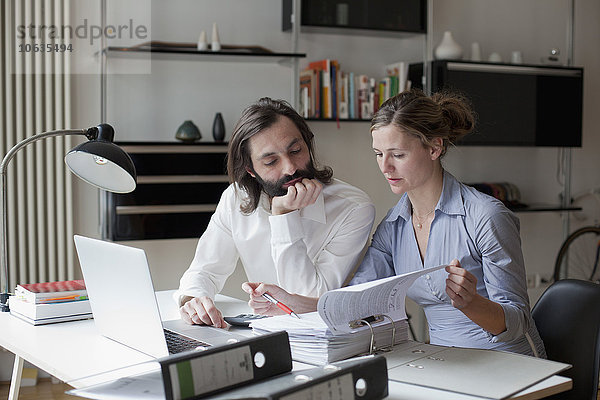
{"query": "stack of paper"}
pixel 312 342
pixel 337 331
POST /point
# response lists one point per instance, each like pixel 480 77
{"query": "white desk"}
pixel 71 351
pixel 75 352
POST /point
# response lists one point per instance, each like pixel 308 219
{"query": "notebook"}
pixel 124 305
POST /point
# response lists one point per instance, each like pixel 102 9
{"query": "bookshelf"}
pixel 406 20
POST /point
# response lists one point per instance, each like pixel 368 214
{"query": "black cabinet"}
pixel 516 105
pixel 179 186
pixel 379 15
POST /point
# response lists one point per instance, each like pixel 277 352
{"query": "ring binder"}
pixel 372 342
pixel 371 320
pixel 391 347
pixel 362 321
pixel 362 378
pixel 349 321
pixel 201 373
pixel 491 374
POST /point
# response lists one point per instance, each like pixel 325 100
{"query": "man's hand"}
pixel 299 304
pixel 300 195
pixel 202 311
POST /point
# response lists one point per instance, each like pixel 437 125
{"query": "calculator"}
pixel 243 319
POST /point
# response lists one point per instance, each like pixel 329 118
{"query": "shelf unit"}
pixel 179 186
pixel 426 79
pixel 404 19
pixel 150 212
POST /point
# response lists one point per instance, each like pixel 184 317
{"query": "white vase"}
pixel 215 44
pixel 448 49
pixel 202 43
pixel 495 58
pixel 475 52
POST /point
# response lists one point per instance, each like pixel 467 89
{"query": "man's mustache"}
pixel 298 174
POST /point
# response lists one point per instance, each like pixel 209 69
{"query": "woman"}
pixel 480 299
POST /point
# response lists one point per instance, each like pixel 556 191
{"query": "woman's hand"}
pixel 461 285
pixel 299 304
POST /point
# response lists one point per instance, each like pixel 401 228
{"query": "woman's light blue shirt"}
pixel 483 235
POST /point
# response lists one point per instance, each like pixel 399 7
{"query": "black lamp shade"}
pixel 103 164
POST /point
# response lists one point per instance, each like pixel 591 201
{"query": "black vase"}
pixel 218 128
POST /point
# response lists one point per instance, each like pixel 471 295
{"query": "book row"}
pixel 327 92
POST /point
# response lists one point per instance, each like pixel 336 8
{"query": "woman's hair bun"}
pixel 458 113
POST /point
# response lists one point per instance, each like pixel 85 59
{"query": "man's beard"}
pixel 276 188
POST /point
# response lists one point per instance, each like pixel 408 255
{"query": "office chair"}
pixel 567 316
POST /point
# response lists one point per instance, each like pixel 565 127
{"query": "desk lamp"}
pixel 98 161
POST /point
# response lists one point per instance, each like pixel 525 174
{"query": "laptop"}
pixel 124 305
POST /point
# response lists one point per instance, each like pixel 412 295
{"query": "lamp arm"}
pixel 11 153
pixel 3 202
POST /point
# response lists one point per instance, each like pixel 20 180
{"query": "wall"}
pixel 533 27
pixel 150 107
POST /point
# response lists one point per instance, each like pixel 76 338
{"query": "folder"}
pixel 477 372
pixel 362 378
pixel 353 320
pixel 201 373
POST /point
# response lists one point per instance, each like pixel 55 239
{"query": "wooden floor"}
pixel 44 390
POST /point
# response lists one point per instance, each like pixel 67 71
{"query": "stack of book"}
pixel 48 302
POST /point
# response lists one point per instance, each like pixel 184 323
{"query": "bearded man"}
pixel 287 220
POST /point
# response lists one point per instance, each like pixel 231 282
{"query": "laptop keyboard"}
pixel 177 343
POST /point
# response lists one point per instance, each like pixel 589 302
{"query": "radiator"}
pixel 35 97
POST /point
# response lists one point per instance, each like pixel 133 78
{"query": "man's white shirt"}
pixel 308 251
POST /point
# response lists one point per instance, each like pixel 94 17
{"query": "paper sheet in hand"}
pixel 383 296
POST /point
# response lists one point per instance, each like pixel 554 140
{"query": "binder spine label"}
pixel 338 388
pixel 213 372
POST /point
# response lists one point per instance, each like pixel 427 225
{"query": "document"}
pixel 384 296
pixel 337 329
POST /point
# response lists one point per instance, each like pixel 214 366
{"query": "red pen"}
pixel 280 305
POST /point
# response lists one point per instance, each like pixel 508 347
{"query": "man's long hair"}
pixel 256 118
